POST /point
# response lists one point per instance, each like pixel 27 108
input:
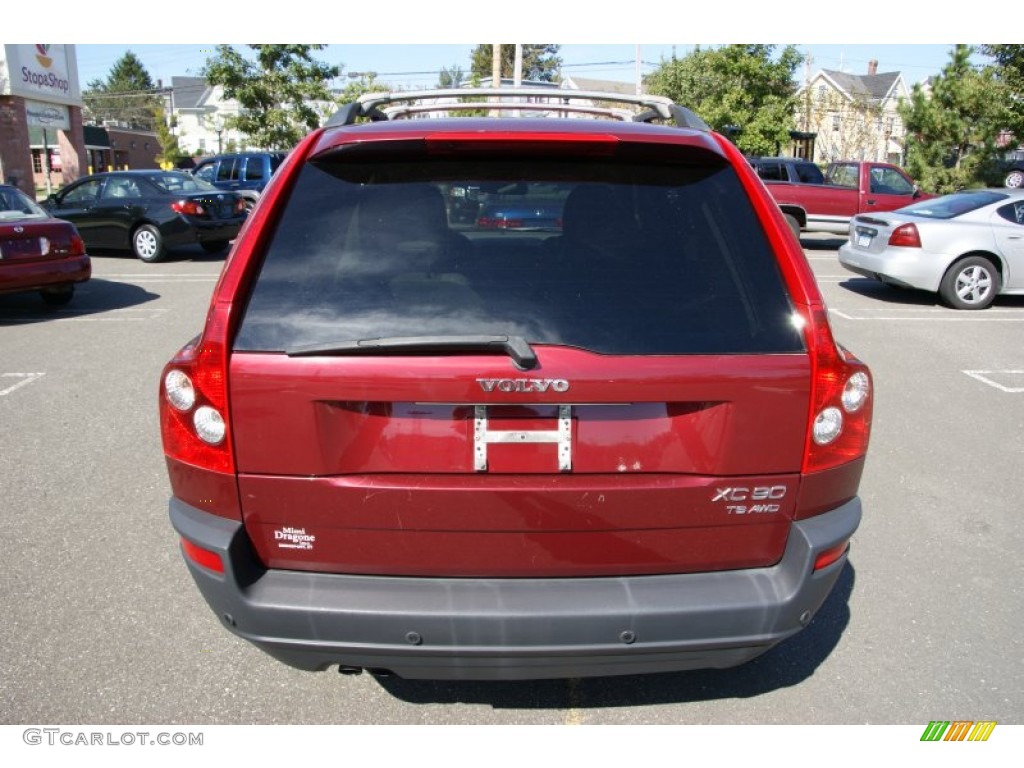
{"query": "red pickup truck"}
pixel 813 201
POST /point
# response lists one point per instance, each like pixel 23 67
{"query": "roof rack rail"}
pixel 374 106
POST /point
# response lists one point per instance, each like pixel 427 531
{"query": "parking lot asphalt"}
pixel 102 623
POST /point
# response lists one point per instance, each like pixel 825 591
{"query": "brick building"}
pixel 40 95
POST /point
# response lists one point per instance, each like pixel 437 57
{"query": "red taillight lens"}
pixel 204 557
pixel 194 404
pixel 188 207
pixel 905 236
pixel 841 399
pixel 77 246
pixel 830 555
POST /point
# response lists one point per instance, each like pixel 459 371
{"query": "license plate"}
pixel 864 240
pixel 30 246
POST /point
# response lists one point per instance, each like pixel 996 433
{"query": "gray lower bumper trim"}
pixel 516 628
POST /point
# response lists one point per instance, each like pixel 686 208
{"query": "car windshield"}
pixel 951 206
pixel 614 256
pixel 15 204
pixel 181 182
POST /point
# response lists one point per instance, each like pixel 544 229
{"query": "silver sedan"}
pixel 968 247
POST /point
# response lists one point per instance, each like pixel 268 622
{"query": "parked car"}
pixel 1011 167
pixel 968 246
pixel 37 251
pixel 246 173
pixel 787 169
pixel 631 446
pixel 848 188
pixel 521 215
pixel 148 212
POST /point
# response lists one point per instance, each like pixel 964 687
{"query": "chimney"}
pixel 873 67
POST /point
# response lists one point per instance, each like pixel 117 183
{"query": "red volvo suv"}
pixel 612 434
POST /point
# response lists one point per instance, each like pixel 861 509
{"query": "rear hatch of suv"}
pixel 625 391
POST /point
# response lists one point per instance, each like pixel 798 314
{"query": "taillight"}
pixel 905 236
pixel 829 556
pixel 204 557
pixel 188 207
pixel 77 246
pixel 194 405
pixel 498 222
pixel 841 398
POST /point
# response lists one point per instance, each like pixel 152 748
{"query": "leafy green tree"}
pixel 279 92
pixel 952 126
pixel 170 150
pixel 540 61
pixel 736 85
pixel 1010 72
pixel 127 95
pixel 450 77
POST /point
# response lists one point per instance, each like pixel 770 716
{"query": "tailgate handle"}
pixel 562 436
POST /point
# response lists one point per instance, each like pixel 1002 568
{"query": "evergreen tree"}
pixel 952 126
pixel 128 94
pixel 170 150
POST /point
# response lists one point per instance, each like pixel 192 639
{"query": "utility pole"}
pixel 495 72
pixel 639 79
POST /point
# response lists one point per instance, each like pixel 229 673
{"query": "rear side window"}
pixel 771 171
pixel 809 173
pixel 228 169
pixel 614 255
pixel 254 169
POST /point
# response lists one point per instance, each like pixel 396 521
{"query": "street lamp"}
pixel 218 128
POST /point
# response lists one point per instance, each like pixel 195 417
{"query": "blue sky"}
pixel 417 65
pixel 401 36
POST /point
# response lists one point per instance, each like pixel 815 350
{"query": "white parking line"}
pixel 127 314
pixel 983 376
pixel 26 378
pixel 933 315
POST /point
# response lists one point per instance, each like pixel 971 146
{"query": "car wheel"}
pixel 793 224
pixel 147 243
pixel 214 246
pixel 971 283
pixel 1014 179
pixel 58 295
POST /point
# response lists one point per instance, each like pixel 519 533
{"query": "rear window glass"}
pixel 610 255
pixel 181 182
pixel 951 206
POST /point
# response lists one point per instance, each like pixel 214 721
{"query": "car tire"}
pixel 58 295
pixel 148 244
pixel 970 283
pixel 793 225
pixel 1014 179
pixel 214 246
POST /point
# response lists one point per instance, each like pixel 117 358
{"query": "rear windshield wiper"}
pixel 515 347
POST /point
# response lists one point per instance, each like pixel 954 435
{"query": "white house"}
pixel 854 116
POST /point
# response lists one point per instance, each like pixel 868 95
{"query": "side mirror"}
pixel 52 199
pixel 917 191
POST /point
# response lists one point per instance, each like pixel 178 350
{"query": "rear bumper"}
pixel 31 275
pixel 910 268
pixel 515 628
pixel 185 231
